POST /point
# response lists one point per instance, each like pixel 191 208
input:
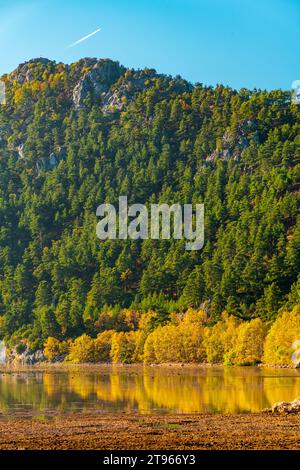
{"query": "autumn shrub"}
pixel 124 346
pixel 102 345
pixel 128 320
pixel 214 346
pixel 179 341
pixel 128 347
pixel 53 348
pixel 249 344
pixel 2 326
pixel 220 339
pixel 82 350
pixel 285 330
pixel 165 341
pixel 191 330
pixel 149 356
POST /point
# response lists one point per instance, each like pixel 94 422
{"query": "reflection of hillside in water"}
pixel 192 390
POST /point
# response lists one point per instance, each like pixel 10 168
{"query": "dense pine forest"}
pixel 75 136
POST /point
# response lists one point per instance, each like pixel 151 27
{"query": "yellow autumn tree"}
pixel 249 344
pixel 166 342
pixel 102 345
pixel 123 347
pixel 146 325
pixel 53 348
pixel 280 342
pixel 191 332
pixel 179 341
pixel 149 356
pixel 82 350
pixel 220 339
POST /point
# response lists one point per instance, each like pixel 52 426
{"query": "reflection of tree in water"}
pixel 191 390
pixel 224 391
pixel 22 388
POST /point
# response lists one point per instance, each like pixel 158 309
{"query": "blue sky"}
pixel 240 43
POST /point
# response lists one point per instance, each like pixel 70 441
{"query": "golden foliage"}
pixel 180 341
pixel 283 333
pixel 231 341
pixel 123 347
pixel 250 342
pixel 186 338
pixel 103 346
pixel 82 350
pixel 54 348
pixel 219 339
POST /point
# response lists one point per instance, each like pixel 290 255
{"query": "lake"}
pixel 105 389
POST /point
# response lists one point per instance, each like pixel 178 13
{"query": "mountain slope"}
pixel 74 136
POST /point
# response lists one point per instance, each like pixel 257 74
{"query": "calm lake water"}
pixel 145 389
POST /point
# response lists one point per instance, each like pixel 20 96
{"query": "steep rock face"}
pixel 114 86
pixel 97 81
pixel 30 70
pixel 129 84
pixel 49 162
pixel 24 358
pixel 133 82
pixel 233 143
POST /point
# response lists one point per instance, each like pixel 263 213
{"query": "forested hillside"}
pixel 75 136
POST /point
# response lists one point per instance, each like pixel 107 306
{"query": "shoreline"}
pixel 46 366
pixel 132 431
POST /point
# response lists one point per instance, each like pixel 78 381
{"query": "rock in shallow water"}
pixel 286 407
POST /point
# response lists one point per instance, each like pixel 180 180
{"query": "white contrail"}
pixel 84 38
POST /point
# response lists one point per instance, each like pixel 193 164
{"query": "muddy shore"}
pixel 151 432
pixel 92 367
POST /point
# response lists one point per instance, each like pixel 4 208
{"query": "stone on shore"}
pixel 282 407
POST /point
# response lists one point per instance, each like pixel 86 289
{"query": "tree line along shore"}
pixel 185 338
